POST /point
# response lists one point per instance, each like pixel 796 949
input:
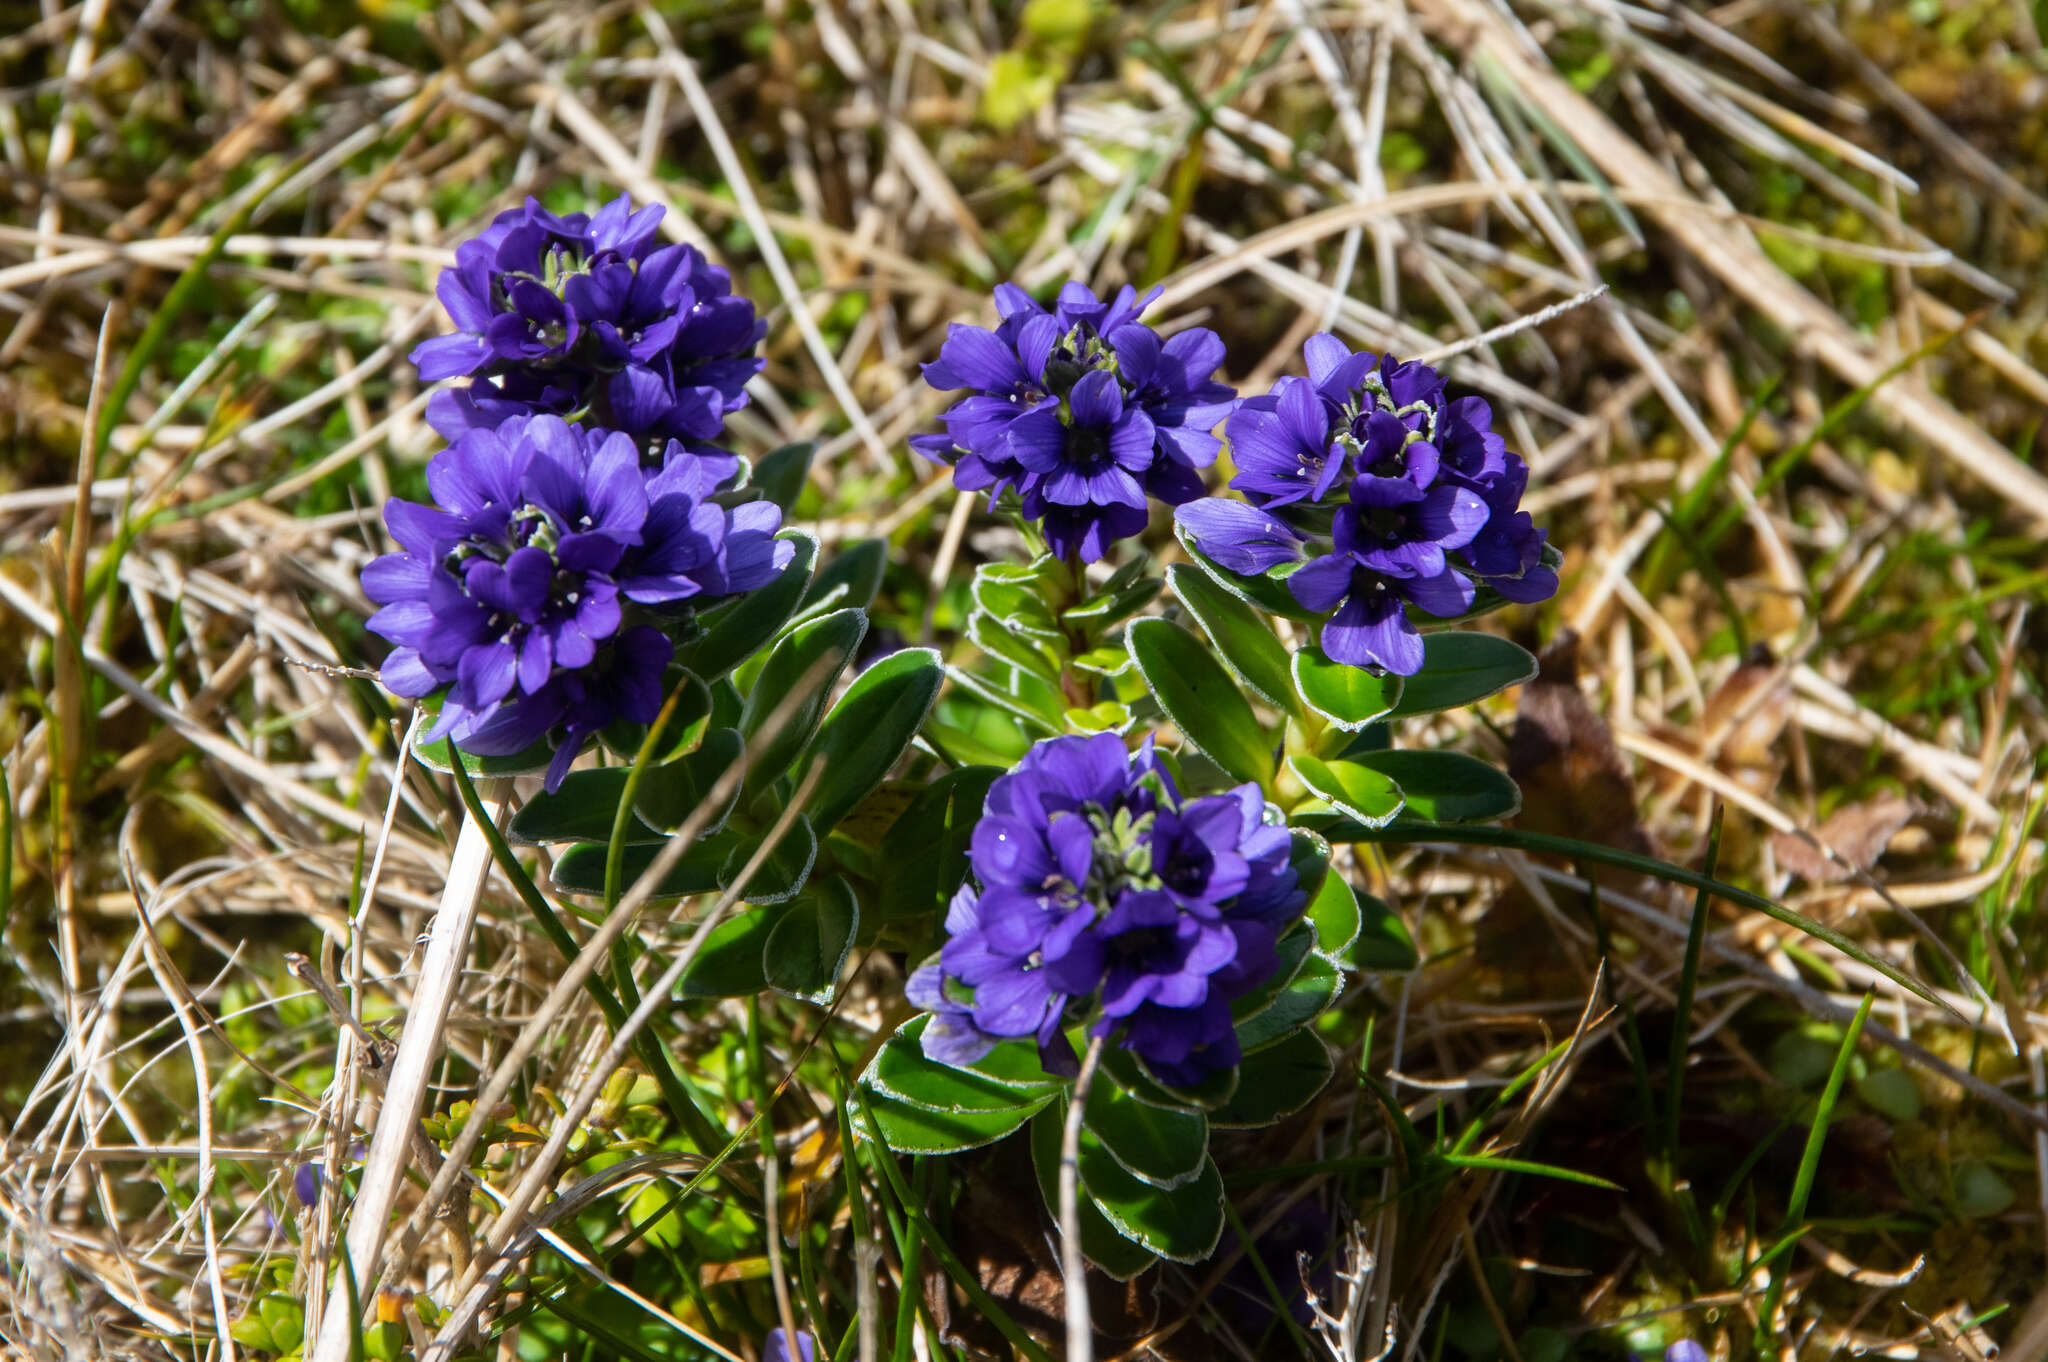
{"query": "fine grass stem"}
pixel 1809 1165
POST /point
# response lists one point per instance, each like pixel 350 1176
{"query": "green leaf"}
pixel 1242 637
pixel 580 869
pixel 1107 717
pixel 1308 855
pixel 1357 792
pixel 1461 668
pixel 1008 644
pixel 795 947
pixel 1349 697
pixel 1383 945
pixel 1100 1242
pixel 1131 1074
pixel 785 870
pixel 1306 996
pixel 1025 706
pixel 1334 914
pixel 1200 698
pixel 923 858
pixel 1891 1092
pixel 1283 1079
pixel 1107 661
pixel 909 1129
pixel 1446 787
pixel 1106 608
pixel 1182 1224
pixel 1289 952
pixel 1156 1145
pixel 1059 23
pixel 780 476
pixel 1980 1192
pixel 735 632
pixel 671 792
pixel 808 947
pixel 581 809
pixel 1267 592
pixel 900 1069
pixel 826 643
pixel 1013 602
pixel 1019 84
pixel 731 963
pixel 870 728
pixel 858 567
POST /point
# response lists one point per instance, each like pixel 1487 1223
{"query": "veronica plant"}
pixel 1115 834
pixel 595 574
pixel 1151 871
pixel 1082 411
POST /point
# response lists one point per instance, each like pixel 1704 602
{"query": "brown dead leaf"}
pixel 1752 706
pixel 1573 779
pixel 1744 718
pixel 1574 784
pixel 1857 833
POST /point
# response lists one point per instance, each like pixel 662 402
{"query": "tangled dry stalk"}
pixel 195 564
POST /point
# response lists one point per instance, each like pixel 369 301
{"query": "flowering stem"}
pixel 1073 1266
pixel 1063 586
pixel 1302 734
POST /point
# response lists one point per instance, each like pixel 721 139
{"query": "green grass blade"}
pixel 1809 1165
pixel 1688 988
pixel 962 1275
pixel 1470 1135
pixel 1493 1164
pixel 1571 848
pixel 700 1129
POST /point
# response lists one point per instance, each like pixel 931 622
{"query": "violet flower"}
pixel 777 1348
pixel 1395 495
pixel 1083 411
pixel 1107 898
pixel 514 592
pixel 586 313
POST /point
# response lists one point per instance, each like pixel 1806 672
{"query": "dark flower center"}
pixel 1388 525
pixel 1088 448
pixel 1140 942
pixel 1187 868
pixel 529 527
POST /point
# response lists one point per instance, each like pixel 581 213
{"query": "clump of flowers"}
pixel 532 590
pixel 1108 898
pixel 1381 493
pixel 1083 411
pixel 585 315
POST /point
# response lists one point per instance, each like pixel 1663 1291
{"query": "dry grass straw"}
pixel 1528 205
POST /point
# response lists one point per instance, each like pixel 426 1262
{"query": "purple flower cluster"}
pixel 1107 896
pixel 1083 411
pixel 529 589
pixel 1396 494
pixel 585 314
